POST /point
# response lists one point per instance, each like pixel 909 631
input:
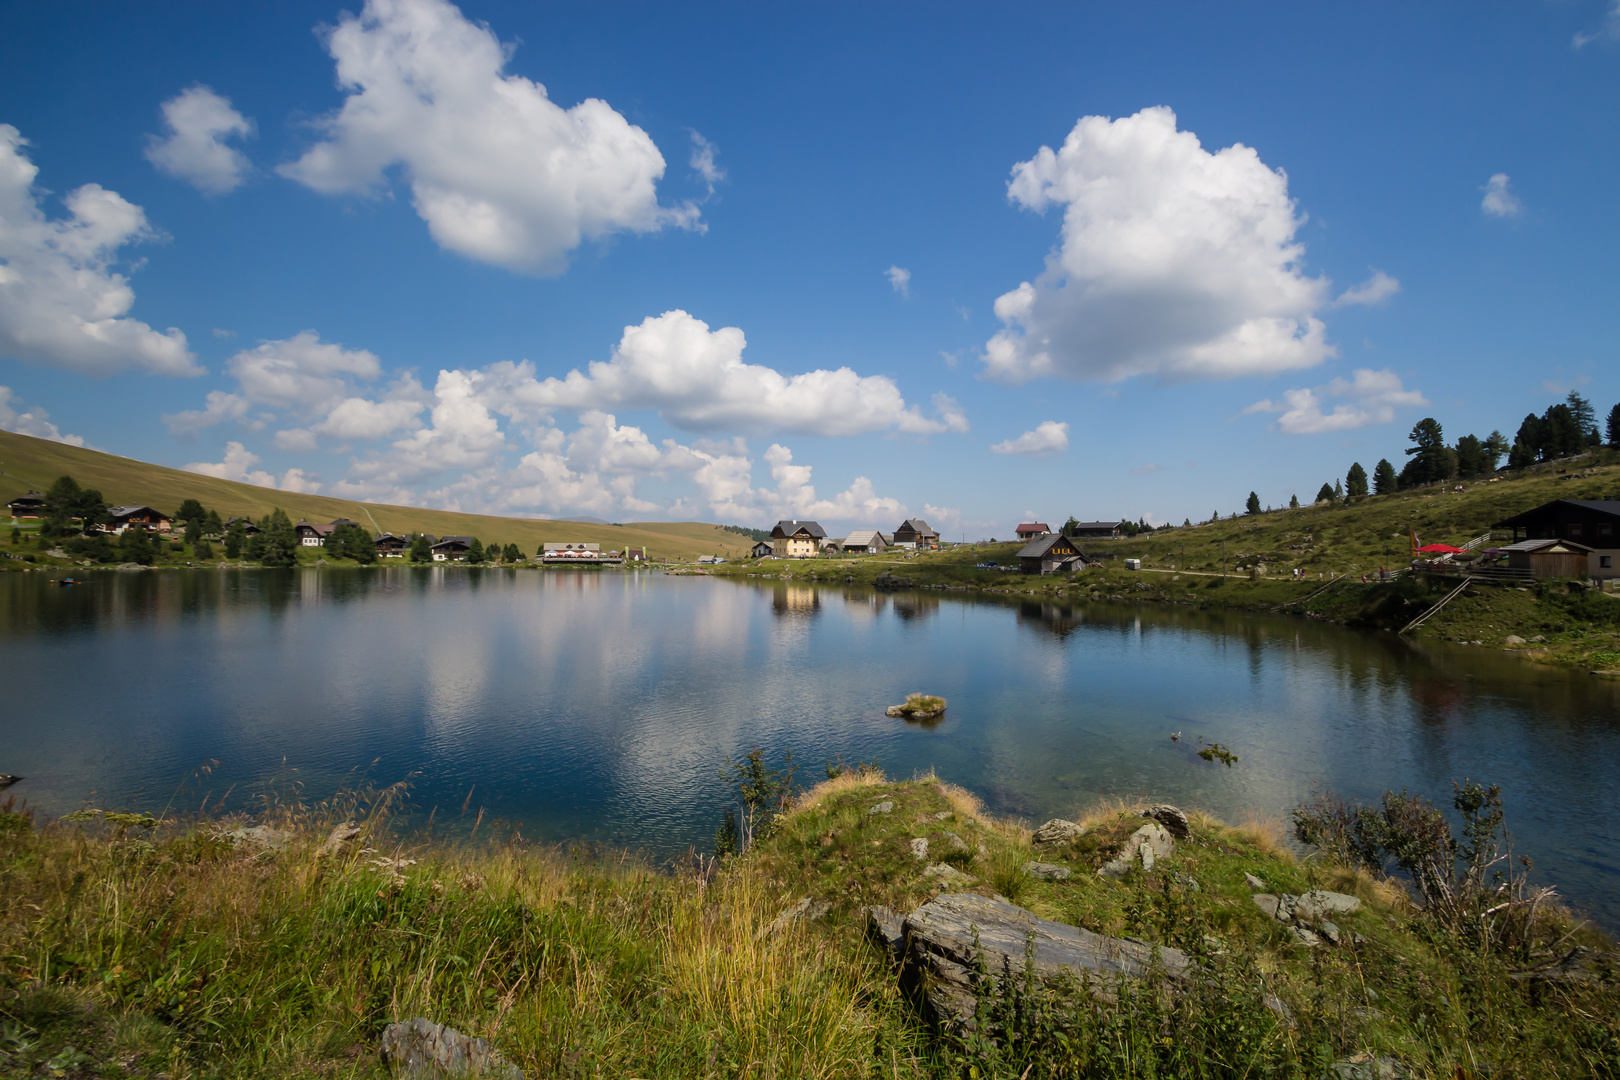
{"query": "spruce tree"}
pixel 1253 505
pixel 421 550
pixel 1583 414
pixel 1355 481
pixel 235 537
pixel 475 551
pixel 1293 502
pixel 1325 494
pixel 1384 482
pixel 1614 426
pixel 280 544
pixel 513 553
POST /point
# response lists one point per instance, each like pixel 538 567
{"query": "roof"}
pixel 792 528
pixel 1034 526
pixel 863 538
pixel 31 497
pixel 1539 545
pixel 1601 506
pixel 918 526
pixel 1092 526
pixel 126 511
pixel 1038 547
pixel 464 541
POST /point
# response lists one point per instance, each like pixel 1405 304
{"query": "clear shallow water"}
pixel 597 706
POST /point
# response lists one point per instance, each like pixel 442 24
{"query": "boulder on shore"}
pixel 1056 831
pixel 940 960
pixel 1172 818
pixel 1148 844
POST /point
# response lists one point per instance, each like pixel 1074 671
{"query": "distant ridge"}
pixel 29 462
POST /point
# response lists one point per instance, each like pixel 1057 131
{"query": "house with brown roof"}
pixel 141 517
pixel 452 549
pixel 31 505
pixel 1029 530
pixel 915 533
pixel 1593 524
pixel 1050 554
pixel 797 539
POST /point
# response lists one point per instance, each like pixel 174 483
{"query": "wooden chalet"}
pixel 248 528
pixel 1097 530
pixel 762 550
pixel 452 549
pixel 797 539
pixel 864 542
pixel 140 517
pixel 390 546
pixel 1050 554
pixel 1550 558
pixel 1032 529
pixel 915 533
pixel 1590 523
pixel 31 505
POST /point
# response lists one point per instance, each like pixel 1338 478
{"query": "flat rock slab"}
pixel 1148 844
pixel 940 960
pixel 884 807
pixel 1048 871
pixel 423 1050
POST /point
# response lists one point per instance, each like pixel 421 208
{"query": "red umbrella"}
pixel 1439 549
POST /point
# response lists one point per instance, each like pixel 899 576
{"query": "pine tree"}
pixel 1582 412
pixel 421 550
pixel 1325 494
pixel 1338 491
pixel 475 551
pixel 1496 445
pixel 1355 481
pixel 280 545
pixel 1253 505
pixel 1614 426
pixel 235 536
pixel 513 553
pixel 1384 481
pixel 1293 502
pixel 1428 453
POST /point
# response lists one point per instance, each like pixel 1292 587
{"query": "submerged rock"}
pixel 947 938
pixel 423 1050
pixel 917 707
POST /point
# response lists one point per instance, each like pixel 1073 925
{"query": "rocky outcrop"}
pixel 1146 846
pixel 1307 915
pixel 1172 818
pixel 884 807
pixel 949 941
pixel 423 1050
pixel 1056 831
pixel 340 839
pixel 1047 871
pixel 917 707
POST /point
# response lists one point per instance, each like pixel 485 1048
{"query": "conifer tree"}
pixel 1355 481
pixel 1384 481
pixel 421 550
pixel 1253 505
pixel 1293 502
pixel 1325 494
pixel 1614 426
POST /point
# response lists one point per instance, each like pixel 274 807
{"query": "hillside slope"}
pixel 29 462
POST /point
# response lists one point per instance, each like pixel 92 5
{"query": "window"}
pixel 1605 562
pixel 1575 528
pixel 1605 529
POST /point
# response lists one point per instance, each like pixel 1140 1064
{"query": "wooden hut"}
pixel 1550 558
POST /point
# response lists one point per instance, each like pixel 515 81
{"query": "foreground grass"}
pixel 134 951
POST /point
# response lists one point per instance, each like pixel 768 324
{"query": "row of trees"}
pixel 1568 427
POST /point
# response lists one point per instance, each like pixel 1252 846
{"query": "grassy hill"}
pixel 28 462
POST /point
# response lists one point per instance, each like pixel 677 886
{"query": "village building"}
pixel 797 539
pixel 1593 524
pixel 915 533
pixel 248 528
pixel 452 549
pixel 1097 530
pixel 141 517
pixel 1549 558
pixel 635 554
pixel 762 550
pixel 1050 554
pixel 577 553
pixel 31 505
pixel 1030 530
pixel 864 542
pixel 390 546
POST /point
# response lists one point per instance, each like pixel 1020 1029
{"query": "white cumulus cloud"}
pixel 899 279
pixel 697 380
pixel 61 303
pixel 1172 261
pixel 499 172
pixel 1369 397
pixel 238 465
pixel 195 150
pixel 1499 200
pixel 35 421
pixel 1049 437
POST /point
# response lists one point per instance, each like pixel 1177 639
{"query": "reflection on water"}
pixel 598 705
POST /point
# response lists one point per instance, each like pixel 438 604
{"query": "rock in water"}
pixel 423 1050
pixel 940 958
pixel 1056 831
pixel 6 779
pixel 1172 818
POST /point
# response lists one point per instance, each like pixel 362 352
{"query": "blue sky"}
pixel 970 262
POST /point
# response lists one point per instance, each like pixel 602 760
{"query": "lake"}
pixel 598 706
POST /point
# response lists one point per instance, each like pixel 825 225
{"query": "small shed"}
pixel 1550 558
pixel 864 542
pixel 1097 530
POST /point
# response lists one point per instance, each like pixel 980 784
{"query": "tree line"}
pixel 1568 427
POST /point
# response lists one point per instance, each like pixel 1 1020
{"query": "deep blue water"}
pixel 598 706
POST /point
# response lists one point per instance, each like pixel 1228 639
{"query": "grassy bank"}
pixel 134 948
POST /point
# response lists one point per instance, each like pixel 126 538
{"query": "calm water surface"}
pixel 597 706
